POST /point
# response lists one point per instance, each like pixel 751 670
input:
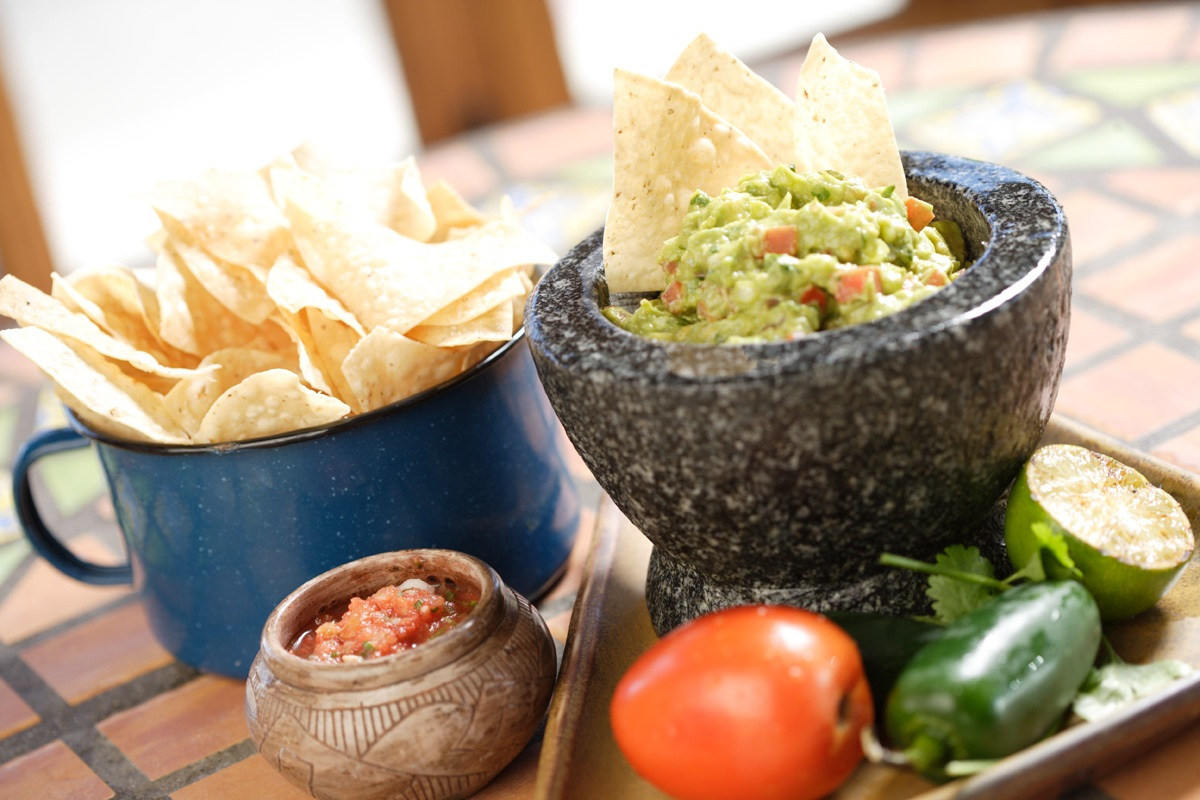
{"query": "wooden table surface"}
pixel 1102 105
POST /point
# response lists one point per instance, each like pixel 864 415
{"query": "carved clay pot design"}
pixel 434 722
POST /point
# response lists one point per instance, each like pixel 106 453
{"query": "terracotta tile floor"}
pixel 249 779
pixel 107 651
pixel 201 717
pixel 52 772
pixel 1101 105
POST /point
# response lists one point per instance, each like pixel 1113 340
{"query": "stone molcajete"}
pixel 435 722
pixel 780 472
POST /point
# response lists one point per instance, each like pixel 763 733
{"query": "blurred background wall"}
pixel 112 95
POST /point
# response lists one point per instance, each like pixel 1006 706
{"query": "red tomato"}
pixel 753 702
pixel 780 240
pixel 920 213
pixel 853 282
pixel 672 296
pixel 814 295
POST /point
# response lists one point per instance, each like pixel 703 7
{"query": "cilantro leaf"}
pixel 952 597
pixel 1050 558
pixel 1116 684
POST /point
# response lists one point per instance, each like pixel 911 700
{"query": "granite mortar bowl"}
pixel 434 722
pixel 779 472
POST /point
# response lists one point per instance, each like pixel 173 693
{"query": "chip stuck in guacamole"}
pixel 761 218
pixel 785 254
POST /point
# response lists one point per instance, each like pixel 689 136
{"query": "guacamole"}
pixel 786 254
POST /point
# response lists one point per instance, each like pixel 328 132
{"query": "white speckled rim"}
pixel 1014 227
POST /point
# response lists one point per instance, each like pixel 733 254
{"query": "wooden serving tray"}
pixel 611 627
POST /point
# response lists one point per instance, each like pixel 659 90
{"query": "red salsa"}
pixel 395 618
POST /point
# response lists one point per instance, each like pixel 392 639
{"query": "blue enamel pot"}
pixel 217 535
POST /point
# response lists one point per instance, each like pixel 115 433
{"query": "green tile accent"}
pixel 1113 143
pixel 1132 86
pixel 74 479
pixel 11 557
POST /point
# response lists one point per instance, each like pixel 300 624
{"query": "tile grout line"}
pixel 108 762
pixel 65 718
pixel 200 769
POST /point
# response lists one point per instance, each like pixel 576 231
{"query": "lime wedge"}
pixel 1129 539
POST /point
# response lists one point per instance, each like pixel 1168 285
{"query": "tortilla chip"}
pixel 292 288
pixel 267 403
pixel 666 146
pixel 842 120
pixel 193 320
pixel 735 92
pixel 239 289
pixel 105 398
pixel 189 400
pixel 501 287
pixel 291 185
pixel 30 306
pixel 387 366
pixel 322 328
pixel 229 214
pixel 120 304
pixel 332 341
pixel 493 325
pixel 312 374
pixel 385 279
pixel 392 195
pixel 451 211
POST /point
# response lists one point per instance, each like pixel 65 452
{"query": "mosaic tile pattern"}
pixel 1101 105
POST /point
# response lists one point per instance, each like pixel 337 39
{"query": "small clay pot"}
pixel 434 722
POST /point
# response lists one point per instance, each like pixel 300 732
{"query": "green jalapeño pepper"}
pixel 995 680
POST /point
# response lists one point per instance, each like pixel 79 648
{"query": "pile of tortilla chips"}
pixel 281 299
pixel 712 121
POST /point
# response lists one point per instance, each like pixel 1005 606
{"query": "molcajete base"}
pixel 677 592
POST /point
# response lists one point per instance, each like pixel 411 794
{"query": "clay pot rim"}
pixel 362 577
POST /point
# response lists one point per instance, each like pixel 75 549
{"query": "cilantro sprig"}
pixel 961 578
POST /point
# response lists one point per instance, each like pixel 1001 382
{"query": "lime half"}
pixel 1129 539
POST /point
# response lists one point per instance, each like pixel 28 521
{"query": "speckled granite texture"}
pixel 791 466
pixel 676 592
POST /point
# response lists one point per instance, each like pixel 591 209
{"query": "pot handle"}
pixel 44 443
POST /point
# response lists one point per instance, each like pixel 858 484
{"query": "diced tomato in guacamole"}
pixel 780 240
pixel 853 283
pixel 919 212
